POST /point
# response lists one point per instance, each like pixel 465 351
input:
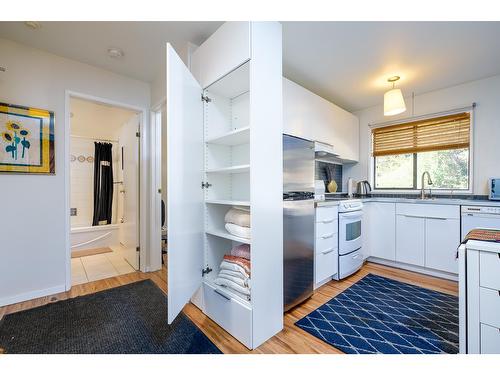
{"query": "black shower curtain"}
pixel 103 183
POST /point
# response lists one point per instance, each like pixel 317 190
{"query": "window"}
pixel 402 152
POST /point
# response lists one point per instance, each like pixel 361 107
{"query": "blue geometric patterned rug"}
pixel 380 315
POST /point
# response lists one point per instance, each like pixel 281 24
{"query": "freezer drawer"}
pixel 231 314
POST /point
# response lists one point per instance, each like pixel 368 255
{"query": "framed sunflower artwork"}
pixel 26 140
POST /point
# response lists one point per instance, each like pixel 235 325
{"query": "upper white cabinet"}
pixel 225 50
pixel 309 116
pixel 380 229
pixel 217 130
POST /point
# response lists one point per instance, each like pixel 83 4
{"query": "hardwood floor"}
pixel 290 340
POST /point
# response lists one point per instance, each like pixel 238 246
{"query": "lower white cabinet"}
pixel 410 240
pixel 326 244
pixel 231 314
pixel 442 237
pixel 427 235
pixel 380 230
pixel 479 297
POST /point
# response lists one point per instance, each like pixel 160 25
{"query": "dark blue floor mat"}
pixel 380 315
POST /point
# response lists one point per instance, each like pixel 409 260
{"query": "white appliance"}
pixel 350 237
pixel 494 189
pixel 479 217
pixel 324 150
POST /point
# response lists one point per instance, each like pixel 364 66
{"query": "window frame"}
pixel 414 189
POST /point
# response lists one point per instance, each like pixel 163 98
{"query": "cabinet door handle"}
pixel 327 236
pixel 425 217
pixel 328 221
pixel 327 251
pixel 222 294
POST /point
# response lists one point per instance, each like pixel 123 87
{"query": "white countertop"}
pixel 493 247
pixel 449 201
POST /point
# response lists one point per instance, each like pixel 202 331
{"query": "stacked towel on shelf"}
pixel 242 251
pixel 234 273
pixel 237 222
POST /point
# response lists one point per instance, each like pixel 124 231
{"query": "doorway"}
pixel 104 190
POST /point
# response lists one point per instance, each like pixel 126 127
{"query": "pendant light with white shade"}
pixel 394 103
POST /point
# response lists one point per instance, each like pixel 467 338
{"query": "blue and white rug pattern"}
pixel 380 315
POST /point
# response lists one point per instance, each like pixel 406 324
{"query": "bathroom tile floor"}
pixel 100 266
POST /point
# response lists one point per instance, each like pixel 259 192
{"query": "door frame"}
pixel 157 130
pixel 144 211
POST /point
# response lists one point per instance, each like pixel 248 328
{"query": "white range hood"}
pixel 324 151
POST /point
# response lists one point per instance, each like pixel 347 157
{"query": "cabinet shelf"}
pixel 228 202
pixel 233 138
pixel 234 169
pixel 224 234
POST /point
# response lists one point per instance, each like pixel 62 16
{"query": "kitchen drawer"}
pixel 325 244
pixel 489 264
pixel 326 214
pixel 439 211
pixel 490 340
pixel 325 265
pixel 228 312
pixel 489 307
pixel 326 229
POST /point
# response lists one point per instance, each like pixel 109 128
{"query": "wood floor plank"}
pixel 290 340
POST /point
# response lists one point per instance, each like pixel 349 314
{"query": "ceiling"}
pixel 347 63
pixel 143 43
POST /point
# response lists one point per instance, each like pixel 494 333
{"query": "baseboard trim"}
pixel 409 267
pixel 32 295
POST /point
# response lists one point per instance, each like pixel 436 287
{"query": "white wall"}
pixel 34 234
pixel 485 92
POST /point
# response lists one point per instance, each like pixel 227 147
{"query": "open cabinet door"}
pixel 184 177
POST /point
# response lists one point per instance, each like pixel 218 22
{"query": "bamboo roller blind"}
pixel 439 133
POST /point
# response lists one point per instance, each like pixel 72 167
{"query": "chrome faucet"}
pixel 429 182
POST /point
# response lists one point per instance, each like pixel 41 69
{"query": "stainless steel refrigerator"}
pixel 298 220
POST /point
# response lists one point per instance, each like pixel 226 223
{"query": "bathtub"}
pixel 83 238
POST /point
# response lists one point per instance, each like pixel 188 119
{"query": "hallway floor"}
pixel 99 266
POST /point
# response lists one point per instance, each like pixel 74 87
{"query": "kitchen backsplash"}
pixel 321 173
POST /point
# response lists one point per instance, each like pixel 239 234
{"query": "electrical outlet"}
pixel 73 211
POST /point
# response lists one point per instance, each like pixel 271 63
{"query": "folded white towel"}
pixel 238 217
pixel 233 267
pixel 237 230
pixel 232 285
pixel 240 280
pixel 234 274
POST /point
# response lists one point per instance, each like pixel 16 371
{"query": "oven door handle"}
pixel 351 215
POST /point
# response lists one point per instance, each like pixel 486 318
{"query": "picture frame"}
pixel 26 140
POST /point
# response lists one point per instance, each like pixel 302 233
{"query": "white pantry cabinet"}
pixel 216 131
pixel 379 222
pixel 307 115
pixel 213 59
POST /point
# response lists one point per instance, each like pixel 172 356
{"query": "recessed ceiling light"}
pixel 35 25
pixel 115 53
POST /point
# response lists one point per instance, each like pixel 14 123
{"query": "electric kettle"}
pixel 363 188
